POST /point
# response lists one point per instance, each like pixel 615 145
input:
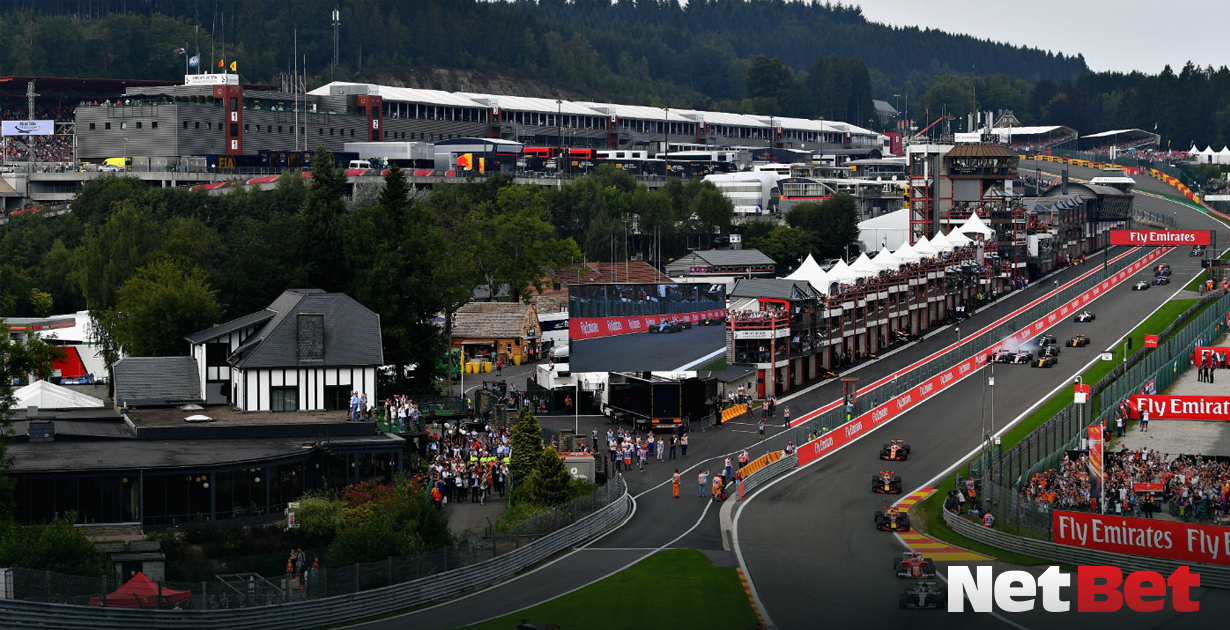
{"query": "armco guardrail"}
pixel 20 615
pixel 762 476
pixel 1213 575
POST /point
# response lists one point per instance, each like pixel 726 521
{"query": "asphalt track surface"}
pixel 813 553
pixel 643 351
pixel 808 539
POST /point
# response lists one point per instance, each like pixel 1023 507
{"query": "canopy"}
pixel 1193 150
pixel 940 242
pixel 842 274
pixel 891 229
pixel 958 239
pixel 974 225
pixel 906 254
pixel 142 592
pixel 47 395
pixel 864 267
pixel 813 273
pixel 924 249
pixel 885 259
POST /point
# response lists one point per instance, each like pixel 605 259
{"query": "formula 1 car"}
pixel 1162 270
pixel 1161 281
pixel 670 327
pixel 1044 361
pixel 1084 316
pixel 1049 351
pixel 1143 285
pixel 913 565
pixel 999 356
pixel 712 321
pixel 903 336
pixel 1078 341
pixel 895 451
pixel 892 520
pixel 886 483
pixel 1042 341
pixel 926 595
pixel 1021 357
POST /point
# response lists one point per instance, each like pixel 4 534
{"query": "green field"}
pixel 679 588
pixel 931 509
pixel 717 366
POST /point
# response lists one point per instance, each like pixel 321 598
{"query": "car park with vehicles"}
pixel 912 564
pixel 1084 317
pixel 895 451
pixel 892 519
pixel 886 483
pixel 1078 341
pixel 1143 285
pixel 925 595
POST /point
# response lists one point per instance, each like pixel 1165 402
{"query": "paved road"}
pixel 639 352
pixel 808 539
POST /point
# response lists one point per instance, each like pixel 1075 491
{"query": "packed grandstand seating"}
pixel 1194 486
pixel 55 148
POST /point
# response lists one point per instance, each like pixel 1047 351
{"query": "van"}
pixel 360 164
pixel 559 354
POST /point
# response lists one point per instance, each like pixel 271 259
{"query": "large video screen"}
pixel 646 327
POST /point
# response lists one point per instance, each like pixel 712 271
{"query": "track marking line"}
pixel 747 588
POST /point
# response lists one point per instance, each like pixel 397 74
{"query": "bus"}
pixel 796 190
pixel 635 162
pixel 691 163
pixel 750 192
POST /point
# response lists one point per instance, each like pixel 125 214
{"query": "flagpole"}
pixel 294 86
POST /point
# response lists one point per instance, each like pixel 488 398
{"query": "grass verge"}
pixel 716 366
pixel 679 588
pixel 931 509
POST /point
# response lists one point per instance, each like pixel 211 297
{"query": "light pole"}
pixel 559 137
pixel 576 405
pixel 666 134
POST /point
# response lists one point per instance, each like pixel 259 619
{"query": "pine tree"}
pixel 548 485
pixel 526 445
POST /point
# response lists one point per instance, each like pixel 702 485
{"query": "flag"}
pixel 234 66
pixel 221 63
pixel 181 51
pixel 194 61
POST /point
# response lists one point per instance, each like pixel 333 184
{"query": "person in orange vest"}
pixel 969 488
pixel 988 520
pixel 675 484
pixel 717 487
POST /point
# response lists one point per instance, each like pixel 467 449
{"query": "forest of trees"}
pixel 813 60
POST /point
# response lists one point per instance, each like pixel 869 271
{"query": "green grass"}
pixel 716 366
pixel 931 509
pixel 679 588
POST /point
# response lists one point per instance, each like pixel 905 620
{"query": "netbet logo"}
pixel 1097 590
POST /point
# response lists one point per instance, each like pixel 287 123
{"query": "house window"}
pixel 91 126
pixel 138 124
pixel 216 354
pixel 153 124
pixel 337 397
pixel 107 126
pixel 123 125
pixel 284 398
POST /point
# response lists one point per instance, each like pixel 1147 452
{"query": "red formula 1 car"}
pixel 892 519
pixel 912 564
pixel 886 483
pixel 895 451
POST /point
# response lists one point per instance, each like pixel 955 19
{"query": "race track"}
pixel 809 542
pixel 643 351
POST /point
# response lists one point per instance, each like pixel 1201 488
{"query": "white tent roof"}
pixel 811 271
pixel 958 239
pixel 1193 150
pixel 885 259
pixel 1208 150
pixel 1224 151
pixel 924 249
pixel 864 267
pixel 974 225
pixel 47 395
pixel 940 242
pixel 906 254
pixel 841 273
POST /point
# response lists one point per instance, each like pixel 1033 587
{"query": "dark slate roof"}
pixel 351 333
pixel 497 320
pixel 156 381
pixel 734 257
pixel 773 288
pixel 227 328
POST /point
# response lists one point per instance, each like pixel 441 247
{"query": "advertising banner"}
pixel 1150 341
pixel 27 127
pixel 1168 238
pixel 596 327
pixel 1182 407
pixel 1221 353
pixel 1153 538
pixel 1095 452
pixel 1147 486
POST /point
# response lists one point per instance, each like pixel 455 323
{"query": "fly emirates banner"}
pixel 1182 407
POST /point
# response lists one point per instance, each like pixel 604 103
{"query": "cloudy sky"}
pixel 1122 36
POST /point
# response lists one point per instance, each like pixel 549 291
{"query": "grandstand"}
pixel 1120 139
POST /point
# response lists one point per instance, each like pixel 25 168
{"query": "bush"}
pixel 58 547
pixel 548 485
pixel 319 517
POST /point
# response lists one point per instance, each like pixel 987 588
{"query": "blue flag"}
pixel 194 61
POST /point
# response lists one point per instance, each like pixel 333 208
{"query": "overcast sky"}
pixel 1125 35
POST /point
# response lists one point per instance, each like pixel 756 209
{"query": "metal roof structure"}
pixel 156 381
pixel 349 335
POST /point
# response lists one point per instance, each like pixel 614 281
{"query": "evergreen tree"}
pixel 526 444
pixel 322 212
pixel 549 484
